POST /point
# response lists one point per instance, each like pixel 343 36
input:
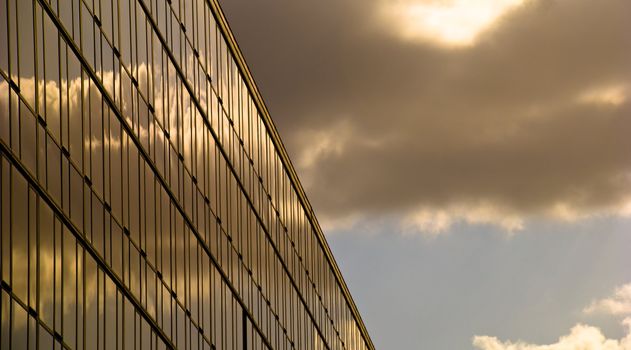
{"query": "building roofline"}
pixel 282 152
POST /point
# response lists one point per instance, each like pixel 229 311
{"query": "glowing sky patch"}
pixel 446 22
pixel 609 95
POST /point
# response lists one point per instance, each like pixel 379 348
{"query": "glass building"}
pixel 147 200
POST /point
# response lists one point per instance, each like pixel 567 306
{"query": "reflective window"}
pixel 147 201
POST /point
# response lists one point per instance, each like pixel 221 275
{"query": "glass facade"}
pixel 147 200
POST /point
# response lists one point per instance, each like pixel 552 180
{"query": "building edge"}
pixel 237 55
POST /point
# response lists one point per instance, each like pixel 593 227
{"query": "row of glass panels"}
pixel 171 147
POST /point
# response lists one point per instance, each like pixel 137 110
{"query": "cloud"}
pixel 613 95
pixel 450 23
pixel 618 304
pixel 436 221
pixel 531 120
pixel 581 337
pixel 323 143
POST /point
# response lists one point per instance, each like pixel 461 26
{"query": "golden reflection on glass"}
pixel 168 214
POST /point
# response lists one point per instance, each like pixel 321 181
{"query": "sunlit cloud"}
pixel 323 142
pixel 617 304
pixel 446 22
pixel 569 213
pixel 526 120
pixel 436 221
pixel 429 221
pixel 581 337
pixel 608 95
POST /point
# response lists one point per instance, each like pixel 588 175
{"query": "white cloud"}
pixel 446 22
pixel 428 221
pixel 618 304
pixel 435 221
pixel 581 337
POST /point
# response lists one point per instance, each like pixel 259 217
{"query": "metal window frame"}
pixel 271 129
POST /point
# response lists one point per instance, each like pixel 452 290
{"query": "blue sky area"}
pixel 417 292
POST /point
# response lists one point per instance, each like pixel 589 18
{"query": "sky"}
pixel 469 161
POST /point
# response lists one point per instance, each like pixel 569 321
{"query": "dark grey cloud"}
pixel 532 120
